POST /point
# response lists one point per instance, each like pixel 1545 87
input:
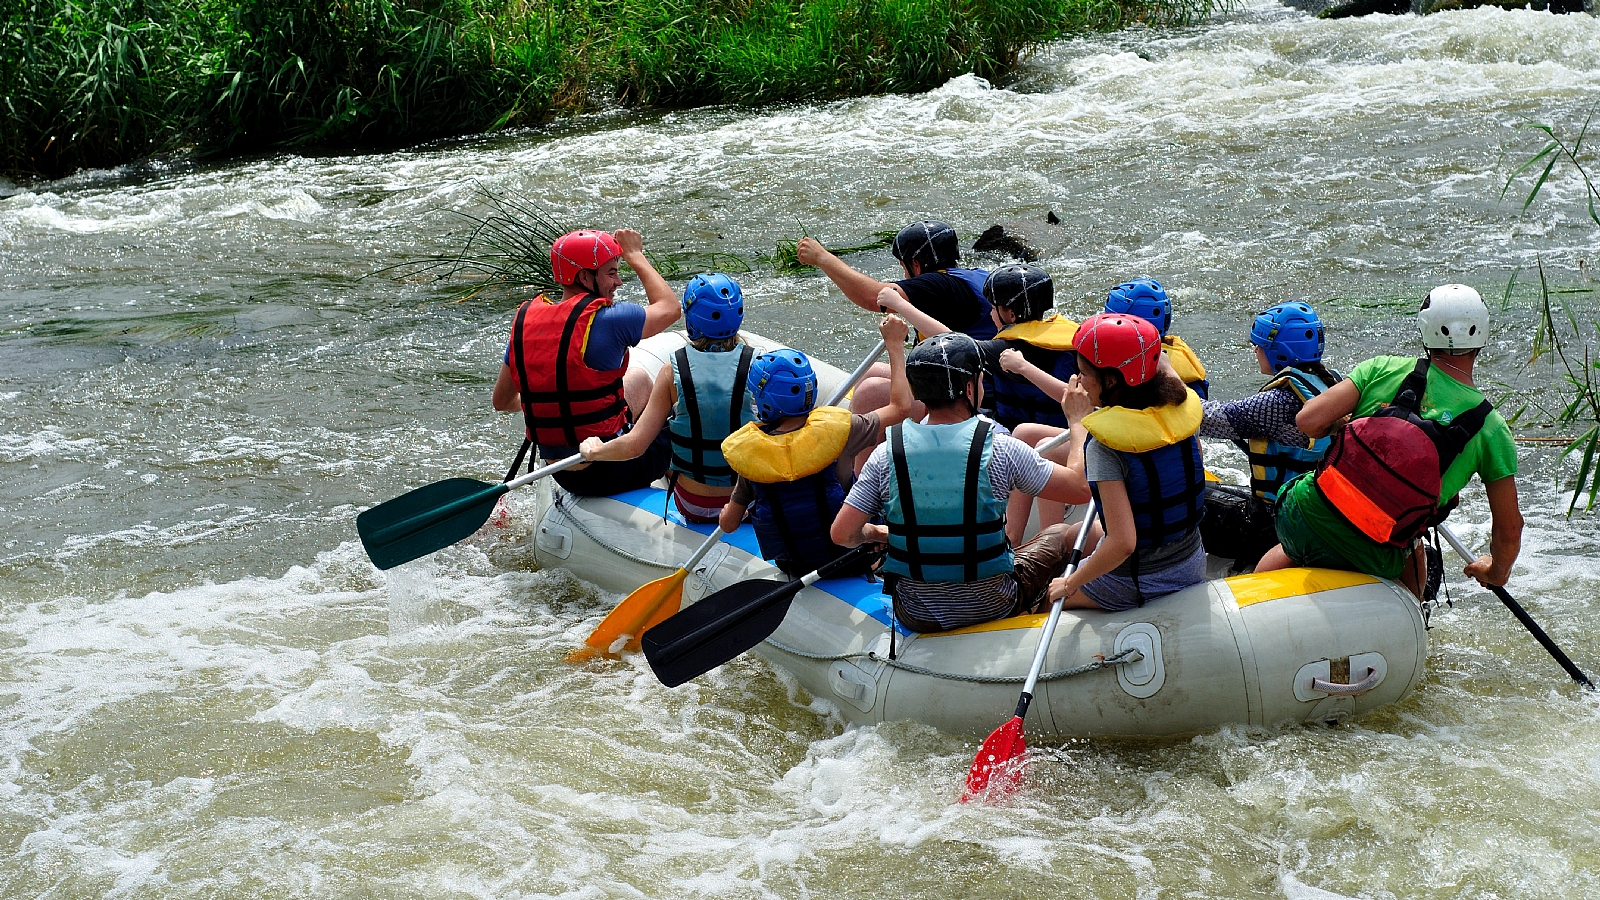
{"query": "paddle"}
pixel 1521 614
pixel 998 768
pixel 652 603
pixel 435 516
pixel 729 622
pixel 646 607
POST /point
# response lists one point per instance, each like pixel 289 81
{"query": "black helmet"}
pixel 1025 290
pixel 941 367
pixel 929 242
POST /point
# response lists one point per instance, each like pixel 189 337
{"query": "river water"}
pixel 207 691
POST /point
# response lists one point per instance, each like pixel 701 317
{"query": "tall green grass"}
pixel 98 82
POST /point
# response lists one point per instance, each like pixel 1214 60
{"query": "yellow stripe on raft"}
pixel 1247 590
pixel 1264 586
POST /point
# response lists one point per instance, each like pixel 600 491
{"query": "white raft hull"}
pixel 1253 649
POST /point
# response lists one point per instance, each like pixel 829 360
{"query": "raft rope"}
pixel 1099 662
pixel 557 495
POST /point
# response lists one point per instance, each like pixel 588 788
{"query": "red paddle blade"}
pixel 997 771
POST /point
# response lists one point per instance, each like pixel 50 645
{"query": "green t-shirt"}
pixel 1491 455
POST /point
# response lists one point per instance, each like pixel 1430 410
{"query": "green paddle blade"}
pixel 429 518
pixel 717 629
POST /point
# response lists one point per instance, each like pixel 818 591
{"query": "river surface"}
pixel 207 691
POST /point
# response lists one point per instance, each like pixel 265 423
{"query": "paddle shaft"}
pixel 856 376
pixel 1055 611
pixel 1521 614
pixel 699 554
pixel 408 527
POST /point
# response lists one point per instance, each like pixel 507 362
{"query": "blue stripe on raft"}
pixel 864 595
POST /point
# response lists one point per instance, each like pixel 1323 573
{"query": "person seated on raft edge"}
pixel 928 251
pixel 796 464
pixel 1240 523
pixel 1022 303
pixel 1143 463
pixel 1313 529
pixel 942 488
pixel 704 391
pixel 1142 297
pixel 567 366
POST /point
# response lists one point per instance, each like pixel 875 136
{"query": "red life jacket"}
pixel 563 400
pixel 1383 473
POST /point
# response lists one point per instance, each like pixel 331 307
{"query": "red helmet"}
pixel 1120 341
pixel 578 251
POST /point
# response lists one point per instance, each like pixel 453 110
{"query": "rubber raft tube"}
pixel 1296 645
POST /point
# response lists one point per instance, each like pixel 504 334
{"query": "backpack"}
pixel 1383 473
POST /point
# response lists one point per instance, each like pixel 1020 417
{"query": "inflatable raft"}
pixel 1298 645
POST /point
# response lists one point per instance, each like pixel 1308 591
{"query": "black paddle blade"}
pixel 429 518
pixel 718 628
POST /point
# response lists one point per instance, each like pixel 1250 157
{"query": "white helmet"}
pixel 1453 317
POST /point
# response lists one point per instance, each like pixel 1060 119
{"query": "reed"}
pixel 1567 338
pixel 99 82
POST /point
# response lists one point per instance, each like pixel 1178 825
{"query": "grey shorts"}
pixel 1118 592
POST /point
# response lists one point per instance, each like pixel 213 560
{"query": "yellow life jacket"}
pixel 773 458
pixel 1053 332
pixel 1143 430
pixel 1183 359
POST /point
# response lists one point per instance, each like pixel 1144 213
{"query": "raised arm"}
pixel 635 442
pixel 663 308
pixel 861 289
pixel 894 300
pixel 1014 362
pixel 1324 411
pixel 894 330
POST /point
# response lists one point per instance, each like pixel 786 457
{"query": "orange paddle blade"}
pixel 996 773
pixel 641 610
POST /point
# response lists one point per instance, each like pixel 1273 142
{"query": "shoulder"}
pixel 621 316
pixel 1380 367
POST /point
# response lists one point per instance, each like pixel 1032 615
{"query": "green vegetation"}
pixel 99 82
pixel 1568 334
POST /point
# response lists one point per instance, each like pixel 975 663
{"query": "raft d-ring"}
pixel 1367 683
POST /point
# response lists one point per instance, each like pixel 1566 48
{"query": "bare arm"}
pixel 1327 409
pixel 852 528
pixel 894 331
pixel 1113 550
pixel 1066 486
pixel 1505 534
pixel 730 517
pixel 507 393
pixel 635 442
pixel 663 308
pixel 861 289
pixel 1014 362
pixel 894 299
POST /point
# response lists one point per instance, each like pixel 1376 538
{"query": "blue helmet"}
pixel 1142 297
pixel 1290 333
pixel 782 383
pixel 713 306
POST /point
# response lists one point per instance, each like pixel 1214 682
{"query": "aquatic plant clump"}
pixel 100 82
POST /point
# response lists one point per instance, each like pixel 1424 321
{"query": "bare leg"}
pixel 872 391
pixel 1080 600
pixel 1274 559
pixel 1415 574
pixel 1050 511
pixel 636 385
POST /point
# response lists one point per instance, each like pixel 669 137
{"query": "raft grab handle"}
pixel 1367 683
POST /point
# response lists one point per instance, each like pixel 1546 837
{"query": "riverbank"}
pixel 92 83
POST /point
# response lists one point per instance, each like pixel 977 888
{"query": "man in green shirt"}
pixel 1455 326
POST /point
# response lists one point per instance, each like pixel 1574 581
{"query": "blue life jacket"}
pixel 792 519
pixel 1015 399
pixel 983 329
pixel 1166 490
pixel 712 404
pixel 1273 464
pixel 941 528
